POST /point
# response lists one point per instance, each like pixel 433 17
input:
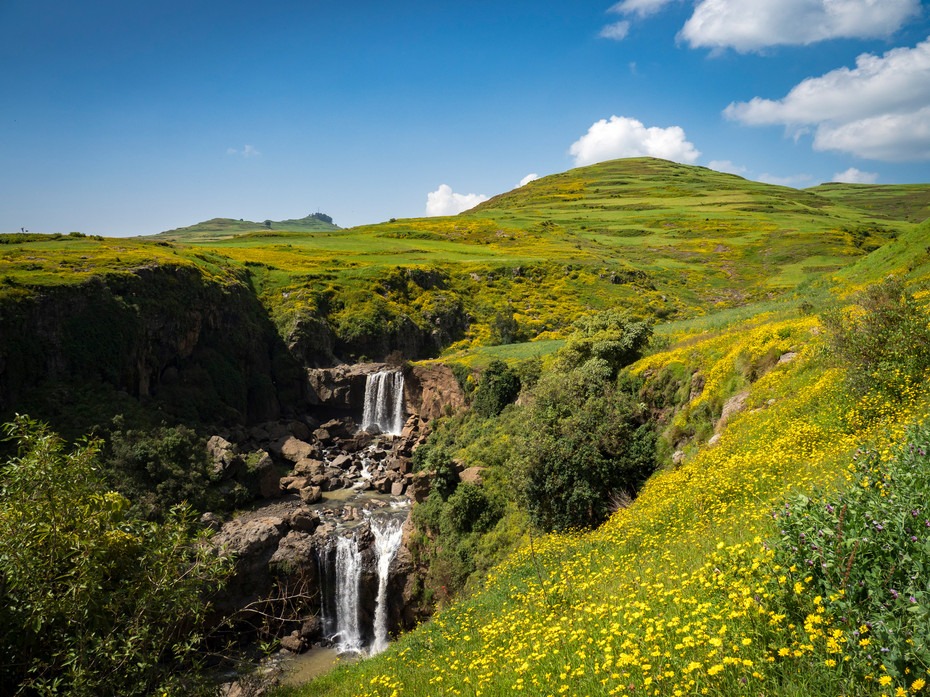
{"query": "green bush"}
pixel 92 601
pixel 498 387
pixel 613 336
pixel 587 439
pixel 865 553
pixel 883 341
pixel 159 468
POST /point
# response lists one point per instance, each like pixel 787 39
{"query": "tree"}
pixel 498 387
pixel 614 336
pixel 92 601
pixel 587 440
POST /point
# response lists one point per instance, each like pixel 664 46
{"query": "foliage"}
pixel 883 342
pixel 586 440
pixel 159 468
pixel 863 552
pixel 613 336
pixel 94 602
pixel 499 386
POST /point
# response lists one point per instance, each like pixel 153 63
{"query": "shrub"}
pixel 614 336
pixel 883 341
pixel 586 440
pixel 92 601
pixel 864 554
pixel 498 387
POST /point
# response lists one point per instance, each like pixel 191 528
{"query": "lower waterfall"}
pixel 384 403
pixel 388 534
pixel 347 580
pixel 348 635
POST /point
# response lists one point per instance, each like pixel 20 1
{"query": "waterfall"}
pixel 348 577
pixel 388 534
pixel 384 402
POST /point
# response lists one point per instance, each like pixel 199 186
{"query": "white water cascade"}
pixel 348 578
pixel 388 534
pixel 384 402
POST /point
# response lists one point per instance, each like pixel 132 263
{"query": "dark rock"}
pixel 305 520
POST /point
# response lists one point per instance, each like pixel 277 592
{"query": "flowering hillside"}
pixel 696 588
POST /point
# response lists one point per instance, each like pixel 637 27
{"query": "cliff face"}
pixel 199 347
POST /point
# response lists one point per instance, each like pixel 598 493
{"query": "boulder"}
pixel 419 484
pixel 733 405
pixel 341 461
pixel 311 494
pixel 305 520
pixel 294 643
pixel 307 467
pixel 472 475
pixel 397 488
pixel 295 450
pixel 223 455
pixel 250 538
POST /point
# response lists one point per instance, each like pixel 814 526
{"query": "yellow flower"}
pixel 918 685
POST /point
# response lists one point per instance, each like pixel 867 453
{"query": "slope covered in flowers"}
pixel 683 592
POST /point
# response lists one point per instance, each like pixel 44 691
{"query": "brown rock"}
pixel 295 449
pixel 397 489
pixel 472 475
pixel 294 643
pixel 311 494
pixel 308 467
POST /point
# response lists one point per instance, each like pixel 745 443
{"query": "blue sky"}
pixel 127 118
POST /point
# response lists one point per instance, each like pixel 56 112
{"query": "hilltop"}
pixel 224 228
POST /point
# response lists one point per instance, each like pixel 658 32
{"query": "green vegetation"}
pixel 657 356
pixel 92 600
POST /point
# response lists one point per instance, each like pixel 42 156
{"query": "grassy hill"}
pixel 223 228
pixel 666 240
pixel 691 588
pixel 769 560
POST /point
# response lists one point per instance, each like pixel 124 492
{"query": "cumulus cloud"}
pixel 793 180
pixel 726 166
pixel 443 201
pixel 855 176
pixel 754 26
pixel 528 178
pixel 247 151
pixel 616 31
pixel 625 137
pixel 751 26
pixel 880 109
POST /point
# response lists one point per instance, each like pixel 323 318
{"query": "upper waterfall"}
pixel 384 402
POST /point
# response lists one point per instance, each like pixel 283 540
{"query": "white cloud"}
pixel 880 109
pixel 726 166
pixel 247 151
pixel 855 176
pixel 641 8
pixel 528 178
pixel 617 30
pixel 626 137
pixel 793 180
pixel 443 201
pixel 751 26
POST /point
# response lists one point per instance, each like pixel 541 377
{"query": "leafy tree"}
pixel 586 440
pixel 883 340
pixel 92 601
pixel 614 336
pixel 159 468
pixel 498 387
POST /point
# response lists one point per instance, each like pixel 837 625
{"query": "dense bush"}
pixel 586 440
pixel 864 554
pixel 92 601
pixel 498 387
pixel 883 341
pixel 159 468
pixel 613 336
